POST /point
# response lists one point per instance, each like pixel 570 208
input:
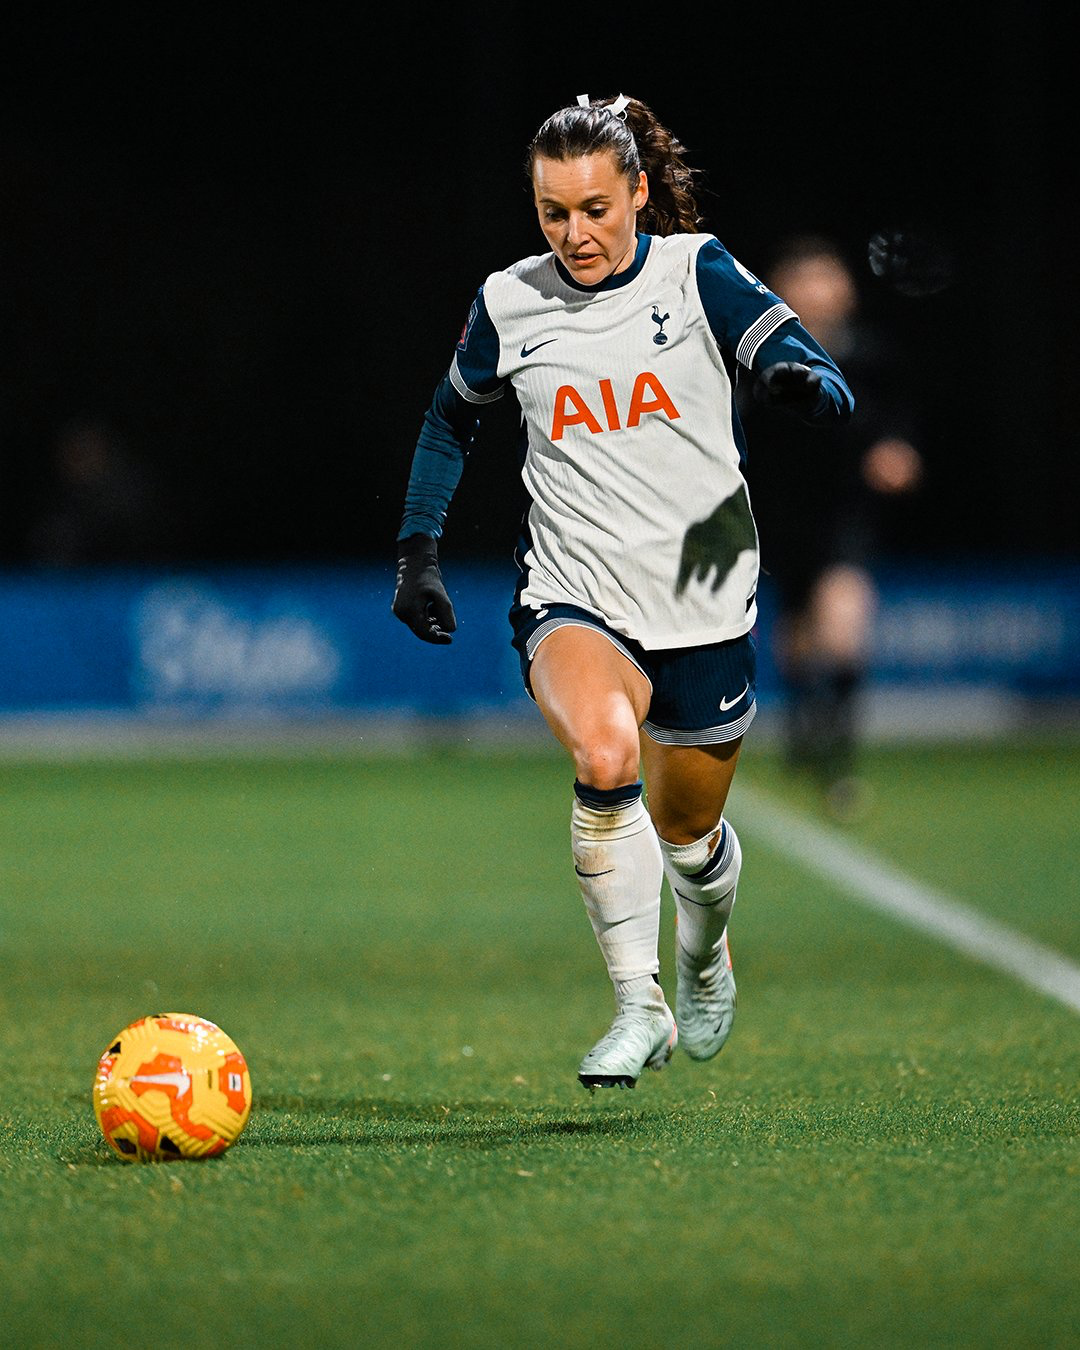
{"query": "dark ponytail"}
pixel 638 141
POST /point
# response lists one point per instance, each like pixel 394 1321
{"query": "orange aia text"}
pixel 573 409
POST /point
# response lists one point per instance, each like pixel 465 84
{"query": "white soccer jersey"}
pixel 639 509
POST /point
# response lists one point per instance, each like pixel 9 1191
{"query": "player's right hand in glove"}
pixel 791 386
pixel 420 598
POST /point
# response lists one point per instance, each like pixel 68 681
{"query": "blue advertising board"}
pixel 302 642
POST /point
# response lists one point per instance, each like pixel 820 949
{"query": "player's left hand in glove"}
pixel 420 598
pixel 791 386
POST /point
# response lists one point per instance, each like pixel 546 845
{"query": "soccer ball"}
pixel 171 1086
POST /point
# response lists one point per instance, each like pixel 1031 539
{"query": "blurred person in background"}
pixel 101 505
pixel 639 556
pixel 824 501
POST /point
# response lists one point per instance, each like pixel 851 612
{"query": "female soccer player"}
pixel 639 556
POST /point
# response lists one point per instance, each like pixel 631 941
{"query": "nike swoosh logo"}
pixel 180 1081
pixel 593 874
pixel 528 351
pixel 726 703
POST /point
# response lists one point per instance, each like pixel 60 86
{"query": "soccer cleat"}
pixel 705 1001
pixel 643 1035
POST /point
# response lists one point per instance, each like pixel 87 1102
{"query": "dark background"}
pixel 239 250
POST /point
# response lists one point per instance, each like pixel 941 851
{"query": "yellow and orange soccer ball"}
pixel 171 1086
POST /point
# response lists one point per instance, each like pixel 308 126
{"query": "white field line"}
pixel 871 881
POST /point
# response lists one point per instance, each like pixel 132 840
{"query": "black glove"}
pixel 791 386
pixel 420 598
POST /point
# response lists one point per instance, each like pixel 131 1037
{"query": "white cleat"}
pixel 643 1035
pixel 705 1001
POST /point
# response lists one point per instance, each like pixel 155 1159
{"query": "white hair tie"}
pixel 617 107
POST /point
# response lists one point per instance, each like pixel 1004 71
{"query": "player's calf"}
pixel 703 876
pixel 619 871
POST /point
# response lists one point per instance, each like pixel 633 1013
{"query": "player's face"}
pixel 588 212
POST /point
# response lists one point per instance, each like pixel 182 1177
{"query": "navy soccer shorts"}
pixel 700 695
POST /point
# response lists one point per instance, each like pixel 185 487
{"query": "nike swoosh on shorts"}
pixel 726 703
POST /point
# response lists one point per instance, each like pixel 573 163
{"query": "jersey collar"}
pixel 616 279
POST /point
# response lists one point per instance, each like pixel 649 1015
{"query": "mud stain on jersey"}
pixel 712 546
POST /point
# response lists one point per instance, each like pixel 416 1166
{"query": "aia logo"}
pixel 661 337
pixel 572 409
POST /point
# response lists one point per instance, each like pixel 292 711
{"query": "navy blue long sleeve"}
pixel 445 437
pixel 791 342
pixel 730 296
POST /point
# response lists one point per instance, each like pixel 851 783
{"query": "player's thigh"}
pixel 688 786
pixel 594 699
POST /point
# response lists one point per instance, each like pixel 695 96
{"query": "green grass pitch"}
pixel 887 1153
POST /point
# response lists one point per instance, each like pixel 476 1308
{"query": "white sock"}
pixel 703 881
pixel 618 866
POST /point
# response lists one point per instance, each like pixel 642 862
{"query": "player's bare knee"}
pixel 606 763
